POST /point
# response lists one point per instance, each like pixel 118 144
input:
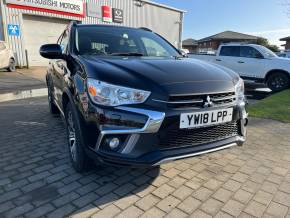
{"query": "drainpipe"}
pixel 181 30
pixel 1 23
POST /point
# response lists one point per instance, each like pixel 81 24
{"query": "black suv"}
pixel 130 98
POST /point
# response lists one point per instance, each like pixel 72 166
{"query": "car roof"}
pixel 238 44
pixel 112 26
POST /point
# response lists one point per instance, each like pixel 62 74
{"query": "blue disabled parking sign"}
pixel 13 30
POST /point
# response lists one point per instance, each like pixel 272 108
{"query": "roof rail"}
pixel 146 29
pixel 237 43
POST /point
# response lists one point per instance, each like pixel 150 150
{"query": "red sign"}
pixel 107 14
pixel 64 7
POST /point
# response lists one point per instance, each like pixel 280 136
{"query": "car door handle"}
pixel 218 59
pixel 241 62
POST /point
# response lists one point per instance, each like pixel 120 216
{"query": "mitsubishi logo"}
pixel 208 102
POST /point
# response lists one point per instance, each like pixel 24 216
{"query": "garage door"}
pixel 38 31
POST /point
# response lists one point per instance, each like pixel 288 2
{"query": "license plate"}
pixel 205 118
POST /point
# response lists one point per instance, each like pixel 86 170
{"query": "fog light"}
pixel 114 143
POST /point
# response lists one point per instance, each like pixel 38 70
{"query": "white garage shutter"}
pixel 38 31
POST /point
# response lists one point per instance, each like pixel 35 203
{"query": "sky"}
pixel 266 18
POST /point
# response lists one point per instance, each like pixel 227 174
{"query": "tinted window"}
pixel 233 51
pixel 249 52
pixel 266 52
pixel 98 40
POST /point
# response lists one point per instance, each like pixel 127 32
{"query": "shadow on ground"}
pixel 35 170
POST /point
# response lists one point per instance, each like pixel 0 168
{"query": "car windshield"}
pixel 116 41
pixel 267 52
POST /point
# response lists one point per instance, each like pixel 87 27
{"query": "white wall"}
pixel 165 22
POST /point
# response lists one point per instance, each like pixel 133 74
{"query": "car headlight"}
pixel 106 94
pixel 240 90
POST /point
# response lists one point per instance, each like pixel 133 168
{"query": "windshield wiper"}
pixel 127 54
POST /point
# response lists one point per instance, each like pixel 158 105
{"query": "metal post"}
pixel 2 37
pixel 27 61
pixel 181 30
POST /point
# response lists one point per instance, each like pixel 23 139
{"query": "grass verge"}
pixel 276 107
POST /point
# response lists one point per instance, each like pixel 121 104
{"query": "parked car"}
pixel 7 60
pixel 130 98
pixel 284 54
pixel 253 62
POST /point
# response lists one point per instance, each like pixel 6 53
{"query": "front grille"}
pixel 175 137
pixel 198 101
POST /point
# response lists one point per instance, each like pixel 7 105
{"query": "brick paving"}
pixel 36 178
pixel 22 79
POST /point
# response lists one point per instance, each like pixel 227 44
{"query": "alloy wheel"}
pixel 278 82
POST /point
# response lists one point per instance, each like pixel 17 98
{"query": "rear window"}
pixel 233 51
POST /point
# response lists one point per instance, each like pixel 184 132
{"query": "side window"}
pixel 63 41
pixel 249 52
pixel 233 51
pixel 153 48
pixel 2 46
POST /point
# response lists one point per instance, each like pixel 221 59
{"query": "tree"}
pixel 264 42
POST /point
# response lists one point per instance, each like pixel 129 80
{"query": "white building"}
pixel 27 24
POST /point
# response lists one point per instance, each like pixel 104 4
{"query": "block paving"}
pixel 37 180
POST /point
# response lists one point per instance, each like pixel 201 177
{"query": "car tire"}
pixel 278 82
pixel 53 109
pixel 12 65
pixel 76 142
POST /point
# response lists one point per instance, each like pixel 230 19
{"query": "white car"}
pixel 253 62
pixel 285 54
pixel 7 60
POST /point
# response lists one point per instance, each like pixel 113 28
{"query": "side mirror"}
pixel 51 51
pixel 183 53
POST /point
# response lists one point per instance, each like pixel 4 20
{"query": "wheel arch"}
pixel 276 71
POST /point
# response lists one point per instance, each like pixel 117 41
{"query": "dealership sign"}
pixel 118 15
pixel 107 14
pixel 66 7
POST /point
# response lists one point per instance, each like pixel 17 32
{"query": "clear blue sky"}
pixel 267 18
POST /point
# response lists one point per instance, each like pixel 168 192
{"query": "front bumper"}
pixel 143 133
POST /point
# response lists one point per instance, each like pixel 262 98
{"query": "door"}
pixel 60 69
pixel 37 31
pixel 251 63
pixel 229 57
